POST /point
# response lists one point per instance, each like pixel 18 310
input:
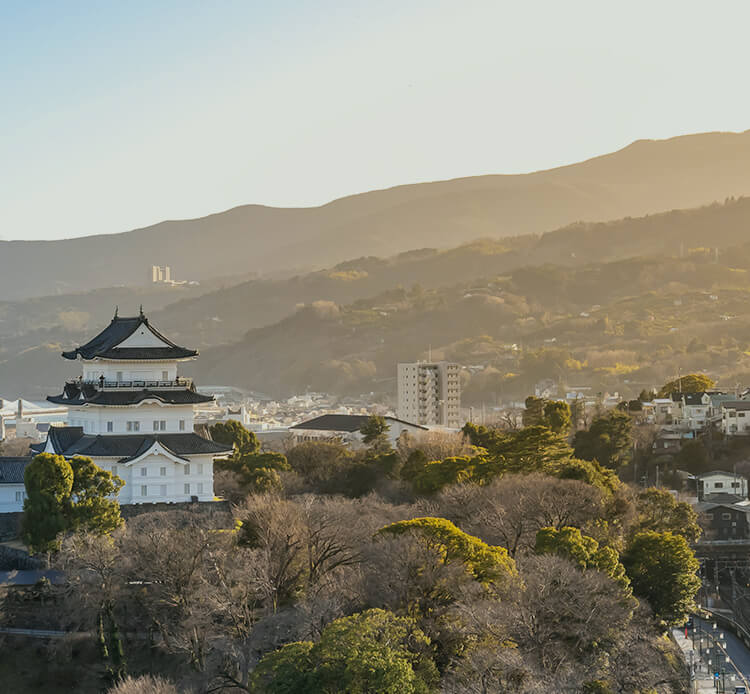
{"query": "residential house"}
pixel 735 418
pixel 720 486
pixel 664 410
pixel 724 521
pixel 692 411
pixel 346 429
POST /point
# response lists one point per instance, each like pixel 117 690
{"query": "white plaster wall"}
pixel 199 478
pixel 129 370
pixel 143 337
pixel 94 419
pixel 8 501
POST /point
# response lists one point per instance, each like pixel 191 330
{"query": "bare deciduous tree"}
pixel 511 510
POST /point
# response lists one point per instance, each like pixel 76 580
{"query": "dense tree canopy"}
pixel 64 495
pixel 487 563
pixel 607 440
pixel 232 433
pixel 373 651
pixel 584 551
pixel 663 569
pixel 375 431
pixel 659 511
pixel 691 383
pixel 554 414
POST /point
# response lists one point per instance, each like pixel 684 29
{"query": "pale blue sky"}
pixel 115 115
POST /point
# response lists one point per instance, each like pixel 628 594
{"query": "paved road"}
pixel 739 656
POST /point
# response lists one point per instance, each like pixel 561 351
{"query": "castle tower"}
pixel 132 414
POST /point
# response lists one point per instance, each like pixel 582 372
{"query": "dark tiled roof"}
pixel 738 405
pixel 723 473
pixel 62 438
pixel 344 422
pixel 127 397
pixel 105 344
pixel 690 398
pixel 11 469
pixel 130 446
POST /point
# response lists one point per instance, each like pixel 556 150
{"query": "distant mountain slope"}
pixel 364 314
pixel 33 331
pixel 225 315
pixel 645 177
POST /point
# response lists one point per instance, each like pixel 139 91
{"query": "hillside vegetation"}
pixel 610 305
pixel 645 177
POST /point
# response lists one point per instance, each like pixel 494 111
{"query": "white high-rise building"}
pixel 429 393
pixel 132 414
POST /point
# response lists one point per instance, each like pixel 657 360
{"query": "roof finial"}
pixel 141 311
pixel 117 308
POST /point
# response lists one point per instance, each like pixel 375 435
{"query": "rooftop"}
pixel 12 469
pixel 178 392
pixel 106 345
pixel 71 441
pixel 345 422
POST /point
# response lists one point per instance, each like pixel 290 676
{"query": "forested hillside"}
pixel 602 304
pixel 645 177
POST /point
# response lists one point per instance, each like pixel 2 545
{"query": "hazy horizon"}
pixel 119 118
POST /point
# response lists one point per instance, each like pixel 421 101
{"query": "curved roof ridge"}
pixel 105 344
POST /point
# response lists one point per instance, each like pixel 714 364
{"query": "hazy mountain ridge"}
pixel 645 177
pixel 363 315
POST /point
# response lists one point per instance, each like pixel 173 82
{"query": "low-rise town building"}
pixel 719 485
pixel 346 429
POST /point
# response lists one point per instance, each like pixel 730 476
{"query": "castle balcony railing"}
pixel 99 384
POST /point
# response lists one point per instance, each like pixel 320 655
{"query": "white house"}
pixel 132 414
pixel 664 410
pixel 12 490
pixel 345 428
pixel 693 412
pixel 735 418
pixel 721 484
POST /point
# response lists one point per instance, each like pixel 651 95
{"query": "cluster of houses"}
pixel 687 415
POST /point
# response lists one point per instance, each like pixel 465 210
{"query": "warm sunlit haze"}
pixel 119 115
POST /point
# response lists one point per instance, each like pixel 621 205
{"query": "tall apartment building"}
pixel 429 393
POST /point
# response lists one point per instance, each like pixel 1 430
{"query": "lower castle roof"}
pixel 71 441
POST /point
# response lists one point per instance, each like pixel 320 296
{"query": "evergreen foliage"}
pixel 607 440
pixel 64 496
pixel 373 651
pixel 691 383
pixel 232 433
pixel 663 569
pixel 486 563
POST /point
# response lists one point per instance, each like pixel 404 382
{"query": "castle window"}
pixel 187 469
pixel 144 490
pixel 110 426
pixel 163 490
pixel 187 488
pixel 144 472
pixel 163 471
